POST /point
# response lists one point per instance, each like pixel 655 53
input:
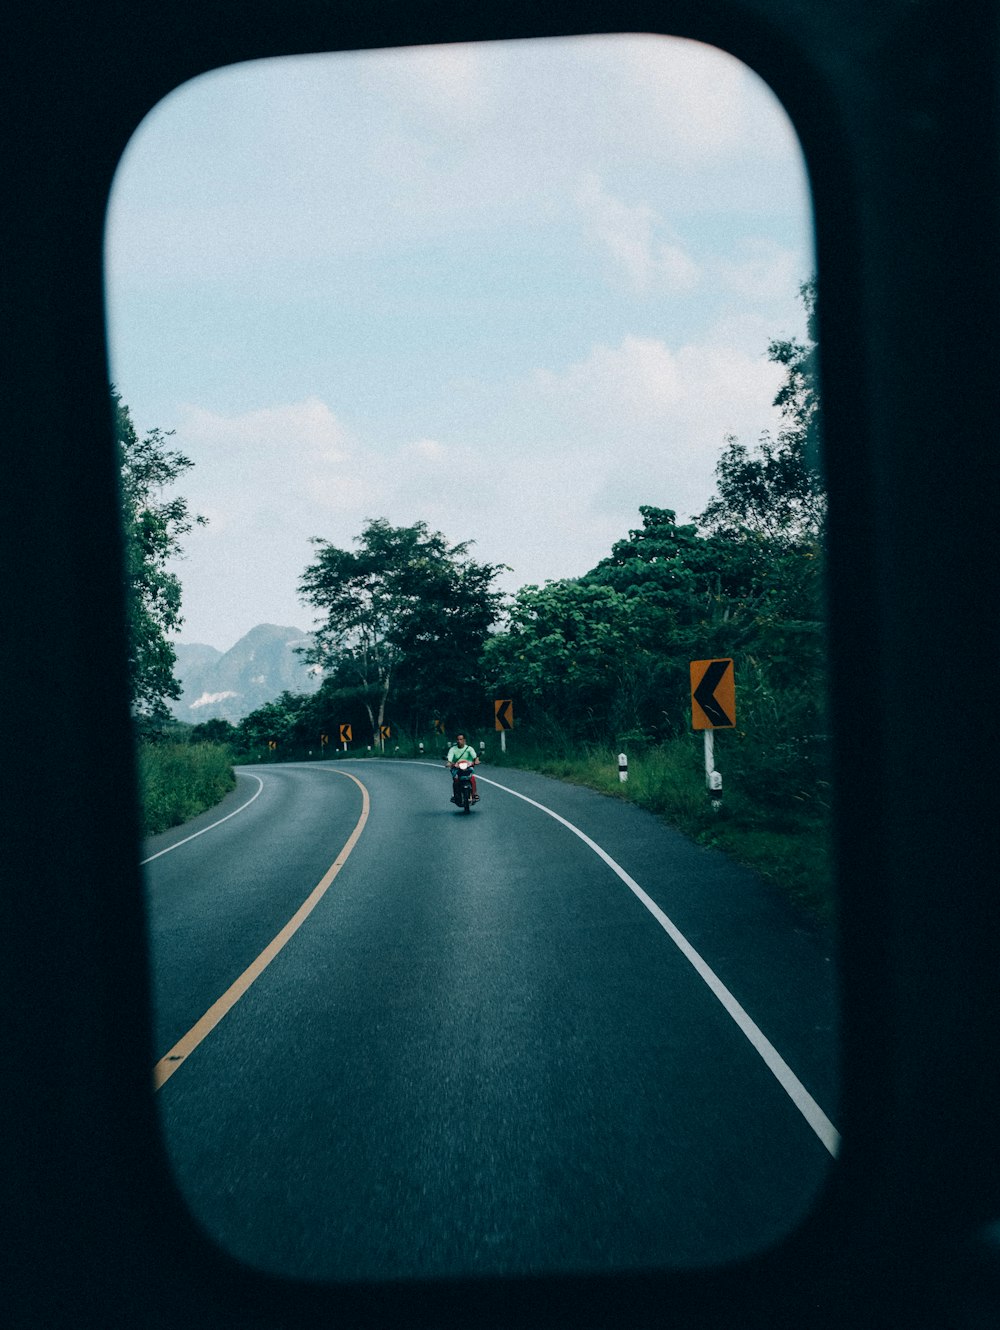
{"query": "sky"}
pixel 512 290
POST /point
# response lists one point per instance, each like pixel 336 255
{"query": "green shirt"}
pixel 466 754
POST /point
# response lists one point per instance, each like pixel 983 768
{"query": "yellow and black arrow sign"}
pixel 324 739
pixel 272 744
pixel 345 734
pixel 713 695
pixel 385 732
pixel 503 713
pixel 439 727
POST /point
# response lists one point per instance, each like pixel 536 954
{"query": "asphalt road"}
pixel 482 1052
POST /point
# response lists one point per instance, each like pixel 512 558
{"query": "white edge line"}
pixel 775 1063
pixel 195 834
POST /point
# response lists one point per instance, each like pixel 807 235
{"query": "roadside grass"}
pixel 179 780
pixel 785 837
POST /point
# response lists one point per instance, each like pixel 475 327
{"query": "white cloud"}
pixel 295 467
pixel 692 92
pixel 309 426
pixel 652 421
pixel 634 385
pixel 440 82
pixel 427 451
pixel 207 699
pixel 628 233
pixel 761 271
pixel 310 158
pixel 695 104
pixel 260 466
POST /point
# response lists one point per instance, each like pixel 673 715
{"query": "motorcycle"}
pixel 461 788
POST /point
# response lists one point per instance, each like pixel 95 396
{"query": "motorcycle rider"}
pixel 460 751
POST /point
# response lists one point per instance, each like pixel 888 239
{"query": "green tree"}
pixel 279 721
pixel 711 590
pixel 404 617
pixel 776 489
pixel 689 595
pixel 607 653
pixel 214 731
pixel 153 525
pixel 684 578
pixel 569 654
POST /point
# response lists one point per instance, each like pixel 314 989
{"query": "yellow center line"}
pixel 170 1061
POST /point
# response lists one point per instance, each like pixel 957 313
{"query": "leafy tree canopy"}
pixel 214 731
pixel 154 524
pixel 776 490
pixel 404 617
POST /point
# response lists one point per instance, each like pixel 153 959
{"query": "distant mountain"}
pixel 228 685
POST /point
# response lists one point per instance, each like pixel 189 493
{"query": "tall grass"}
pixel 179 780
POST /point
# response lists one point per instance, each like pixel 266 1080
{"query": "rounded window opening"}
pixel 491 372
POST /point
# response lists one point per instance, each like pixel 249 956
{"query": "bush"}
pixel 179 780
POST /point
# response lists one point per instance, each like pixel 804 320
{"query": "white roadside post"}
pixel 623 767
pixel 713 779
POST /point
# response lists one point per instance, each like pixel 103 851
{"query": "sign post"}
pixel 713 707
pixel 503 719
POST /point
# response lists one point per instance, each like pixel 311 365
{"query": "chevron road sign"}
pixel 713 707
pixel 713 695
pixel 345 734
pixel 503 713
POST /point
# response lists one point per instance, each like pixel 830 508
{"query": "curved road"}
pixel 550 1036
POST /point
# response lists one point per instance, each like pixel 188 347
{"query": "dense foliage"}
pixel 404 619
